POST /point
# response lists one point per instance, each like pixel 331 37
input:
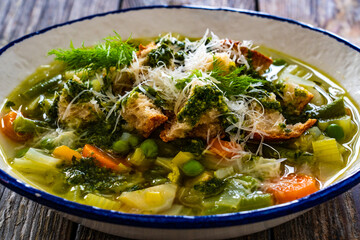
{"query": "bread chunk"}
pixel 141 113
pixel 273 127
pixel 208 126
pixel 76 114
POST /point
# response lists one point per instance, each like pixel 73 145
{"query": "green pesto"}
pixel 203 98
pixel 74 89
pixel 273 104
pixel 159 56
pixel 300 92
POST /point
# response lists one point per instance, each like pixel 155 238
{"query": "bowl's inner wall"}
pixel 315 48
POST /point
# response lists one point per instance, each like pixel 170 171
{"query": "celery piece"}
pixel 182 157
pixel 224 172
pixel 137 158
pixel 28 166
pixel 326 150
pixel 153 199
pixel 101 202
pixel 164 162
pixel 41 158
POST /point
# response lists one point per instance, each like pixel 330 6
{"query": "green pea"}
pixel 192 168
pixel 335 131
pixel 279 62
pixel 149 148
pixel 132 139
pixel 121 147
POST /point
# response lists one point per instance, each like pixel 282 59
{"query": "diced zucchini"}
pixel 101 202
pixel 327 150
pixel 153 199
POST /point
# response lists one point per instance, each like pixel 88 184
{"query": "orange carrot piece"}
pixel 292 187
pixel 7 127
pixel 104 159
pixel 65 153
pixel 224 148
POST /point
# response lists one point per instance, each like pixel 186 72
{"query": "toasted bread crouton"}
pixel 77 113
pixel 143 52
pixel 123 81
pixel 175 130
pixel 140 112
pixel 273 127
pixel 257 60
pixel 295 98
pixel 208 126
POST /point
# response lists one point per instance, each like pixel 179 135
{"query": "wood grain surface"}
pixel 21 218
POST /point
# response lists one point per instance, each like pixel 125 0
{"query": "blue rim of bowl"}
pixel 179 222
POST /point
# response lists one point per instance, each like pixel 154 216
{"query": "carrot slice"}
pixel 7 127
pixel 104 159
pixel 66 153
pixel 292 187
pixel 224 148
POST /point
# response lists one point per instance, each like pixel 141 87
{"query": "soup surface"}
pixel 178 127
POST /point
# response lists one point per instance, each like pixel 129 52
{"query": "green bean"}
pixel 332 110
pixel 41 87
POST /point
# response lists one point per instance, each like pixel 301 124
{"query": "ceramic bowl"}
pixel 325 51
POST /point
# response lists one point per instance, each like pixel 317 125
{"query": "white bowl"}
pixel 323 50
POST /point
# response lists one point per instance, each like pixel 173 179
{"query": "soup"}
pixel 178 127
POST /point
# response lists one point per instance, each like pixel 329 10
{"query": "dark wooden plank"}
pixel 245 4
pixel 21 218
pixel 335 219
pixel 340 17
pixel 21 17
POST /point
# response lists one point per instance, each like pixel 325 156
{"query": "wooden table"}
pixel 21 218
